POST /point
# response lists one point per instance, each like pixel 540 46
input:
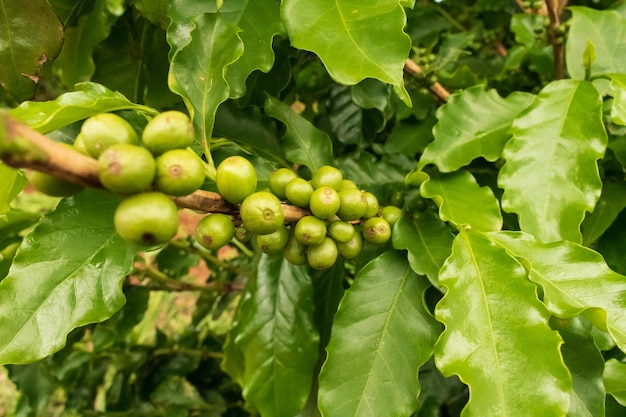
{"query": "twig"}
pixel 23 147
pixel 439 90
pixel 172 284
pixel 554 9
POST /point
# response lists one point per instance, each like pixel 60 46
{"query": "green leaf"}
pixel 473 123
pixel 303 143
pixel 428 240
pixel 497 337
pixel 615 380
pixel 605 30
pixel 612 201
pixel 585 363
pixel 67 273
pixel 278 339
pixel 381 336
pixel 575 280
pixel 618 109
pixel 31 35
pixel 246 127
pixel 75 62
pixel 551 177
pixel 11 183
pixel 256 38
pixel 198 70
pixel 382 181
pixel 354 40
pixel 463 202
pixel 612 242
pixel 87 100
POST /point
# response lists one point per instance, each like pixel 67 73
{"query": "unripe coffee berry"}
pixel 235 179
pixel 310 230
pixel 327 176
pixel 262 213
pixel 376 230
pixel 126 169
pixel 322 256
pixel 215 231
pixel 149 218
pixel 278 181
pixel 166 131
pixel 298 191
pixel 324 202
pixel 179 172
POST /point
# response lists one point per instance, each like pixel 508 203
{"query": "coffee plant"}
pixel 306 208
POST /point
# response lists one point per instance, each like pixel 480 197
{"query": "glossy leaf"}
pixel 67 273
pixel 256 38
pixel 278 339
pixel 381 182
pixel 75 62
pixel 615 380
pixel 618 109
pixel 354 40
pixel 30 34
pixel 246 127
pixel 384 312
pixel 428 241
pixel 585 363
pixel 612 201
pixel 463 202
pixel 575 280
pixel 303 143
pixel 198 70
pixel 473 123
pixel 605 30
pixel 612 242
pixel 11 183
pixel 87 100
pixel 551 175
pixel 497 338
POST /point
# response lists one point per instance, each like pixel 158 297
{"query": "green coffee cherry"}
pixel 262 213
pixel 310 230
pixel 352 204
pixel 235 179
pixel 166 131
pixel 322 256
pixel 376 230
pixel 279 180
pixel 351 249
pixel 298 191
pixel 215 231
pixel 105 129
pixel 242 234
pixel 294 251
pixel 51 185
pixel 324 202
pixel 341 232
pixel 392 214
pixel 273 243
pixel 372 205
pixel 327 176
pixel 179 172
pixel 126 169
pixel 147 219
pixel 347 185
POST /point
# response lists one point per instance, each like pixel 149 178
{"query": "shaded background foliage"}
pixel 501 293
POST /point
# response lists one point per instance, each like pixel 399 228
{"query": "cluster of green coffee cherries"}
pixel 148 168
pixel 341 215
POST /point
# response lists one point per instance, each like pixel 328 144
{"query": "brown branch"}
pixel 439 90
pixel 555 9
pixel 23 147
